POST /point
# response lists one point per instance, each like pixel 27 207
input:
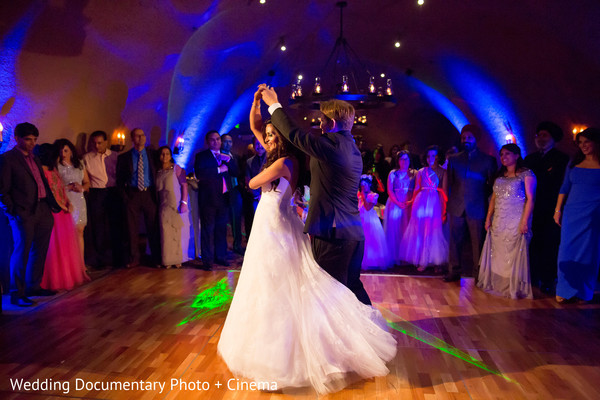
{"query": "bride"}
pixel 290 322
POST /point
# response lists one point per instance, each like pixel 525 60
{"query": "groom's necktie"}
pixel 140 173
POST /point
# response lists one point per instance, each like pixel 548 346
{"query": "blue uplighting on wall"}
pixel 10 48
pixel 487 100
pixel 195 122
pixel 238 112
pixel 440 103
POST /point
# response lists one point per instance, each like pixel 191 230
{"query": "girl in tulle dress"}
pixel 376 250
pixel 424 243
pixel 401 183
pixel 64 267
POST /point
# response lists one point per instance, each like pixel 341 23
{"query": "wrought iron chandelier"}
pixel 354 82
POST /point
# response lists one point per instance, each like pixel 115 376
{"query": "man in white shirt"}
pixel 102 232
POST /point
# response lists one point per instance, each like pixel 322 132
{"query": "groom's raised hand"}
pixel 269 96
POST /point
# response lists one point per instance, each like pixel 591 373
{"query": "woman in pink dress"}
pixel 401 182
pixel 424 244
pixel 64 267
pixel 376 250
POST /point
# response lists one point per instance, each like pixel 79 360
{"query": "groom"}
pixel 333 219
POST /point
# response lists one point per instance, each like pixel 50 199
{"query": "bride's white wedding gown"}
pixel 290 322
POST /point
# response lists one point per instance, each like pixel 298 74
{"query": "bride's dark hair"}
pixel 285 148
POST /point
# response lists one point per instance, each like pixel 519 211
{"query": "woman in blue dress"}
pixel 579 251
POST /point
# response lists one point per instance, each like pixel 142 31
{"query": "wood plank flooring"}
pixel 454 342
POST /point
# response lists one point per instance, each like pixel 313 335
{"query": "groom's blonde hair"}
pixel 340 111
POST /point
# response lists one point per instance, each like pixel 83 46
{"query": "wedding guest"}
pixel 234 192
pixel 470 177
pixel 366 154
pixel 392 153
pixel 579 251
pixel 194 214
pixel 401 183
pixel 449 152
pixel 415 160
pixel 172 191
pixel 136 177
pixel 27 200
pixel 253 167
pixel 423 243
pixel 376 254
pixel 75 178
pixel 381 170
pixel 64 267
pixel 548 164
pixel 504 265
pixel 210 167
pixel 103 234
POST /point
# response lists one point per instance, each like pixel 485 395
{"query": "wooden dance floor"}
pixel 121 335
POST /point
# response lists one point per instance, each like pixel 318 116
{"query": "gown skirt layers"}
pixel 504 264
pixel 579 251
pixel 290 322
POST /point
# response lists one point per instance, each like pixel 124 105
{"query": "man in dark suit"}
pixel 549 165
pixel 234 193
pixel 470 179
pixel 210 167
pixel 333 219
pixel 136 172
pixel 27 200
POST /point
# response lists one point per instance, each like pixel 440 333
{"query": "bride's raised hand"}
pixel 256 124
pixel 258 95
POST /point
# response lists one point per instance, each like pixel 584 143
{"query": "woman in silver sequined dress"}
pixel 76 181
pixel 504 263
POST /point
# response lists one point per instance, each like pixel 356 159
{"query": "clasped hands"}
pixel 267 94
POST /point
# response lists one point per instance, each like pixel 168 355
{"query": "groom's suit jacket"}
pixel 335 168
